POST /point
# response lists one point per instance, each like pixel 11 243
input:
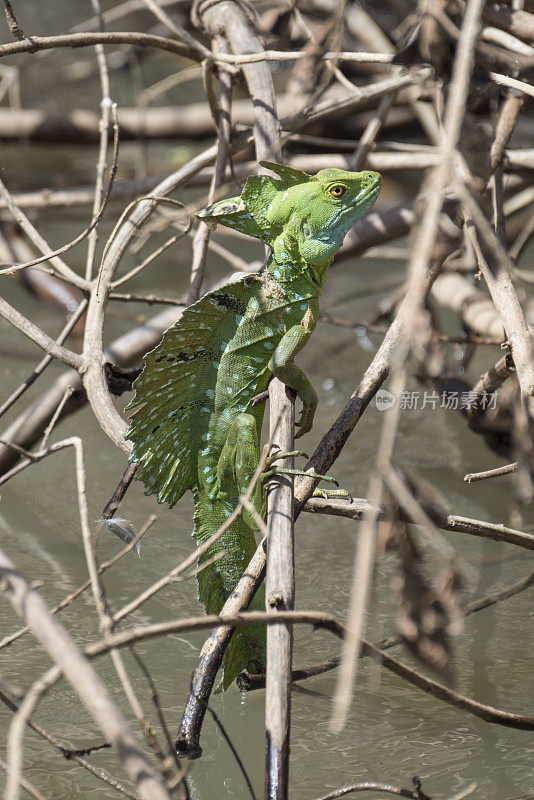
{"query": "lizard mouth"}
pixel 370 193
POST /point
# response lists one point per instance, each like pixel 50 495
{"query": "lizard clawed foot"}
pixel 278 454
pixel 333 494
pixel 281 471
pixel 309 406
pixel 304 425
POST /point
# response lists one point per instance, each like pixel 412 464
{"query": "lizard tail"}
pixel 246 649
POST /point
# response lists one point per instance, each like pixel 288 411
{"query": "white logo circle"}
pixel 384 399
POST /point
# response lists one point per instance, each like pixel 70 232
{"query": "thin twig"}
pixel 25 783
pixel 29 229
pixel 233 749
pixel 105 109
pixel 40 368
pixel 89 39
pixel 202 234
pixel 471 477
pixel 57 413
pixel 50 256
pixel 415 332
pixel 249 683
pixel 321 620
pixel 38 336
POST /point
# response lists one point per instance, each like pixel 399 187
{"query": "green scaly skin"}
pixel 193 425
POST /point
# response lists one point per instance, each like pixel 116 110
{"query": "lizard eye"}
pixel 337 191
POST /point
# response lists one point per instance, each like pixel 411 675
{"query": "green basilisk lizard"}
pixel 193 425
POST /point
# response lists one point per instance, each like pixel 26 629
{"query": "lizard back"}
pixel 207 368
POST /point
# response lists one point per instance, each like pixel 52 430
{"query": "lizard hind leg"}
pixel 235 470
pixel 240 455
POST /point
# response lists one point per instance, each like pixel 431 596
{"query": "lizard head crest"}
pixel 248 212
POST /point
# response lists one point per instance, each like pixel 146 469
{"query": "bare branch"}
pixel 28 604
pixel 491 473
pixel 38 336
pixel 89 39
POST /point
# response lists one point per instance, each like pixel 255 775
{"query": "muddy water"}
pixel 394 731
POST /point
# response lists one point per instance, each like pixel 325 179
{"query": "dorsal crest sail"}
pixel 248 213
pixel 175 393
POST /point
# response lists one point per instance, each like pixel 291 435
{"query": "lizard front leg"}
pixel 283 368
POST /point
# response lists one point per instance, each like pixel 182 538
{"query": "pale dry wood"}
pixel 105 119
pixel 202 235
pixel 118 12
pixel 25 783
pixel 33 234
pixel 516 21
pixel 329 623
pixel 252 682
pixel 94 379
pixel 177 573
pixel 39 337
pixel 476 308
pixel 506 40
pixel 381 159
pixel 7 640
pixel 496 267
pixel 42 283
pixel 471 477
pixel 54 638
pixel 358 507
pixel 317 619
pixel 512 83
pixel 415 332
pixel 182 34
pixel 279 595
pixel 88 39
pixel 228 19
pixel 42 365
pixel 105 615
pixel 370 786
pixel 488 383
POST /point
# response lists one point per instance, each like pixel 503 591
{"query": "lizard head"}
pixel 323 209
pixel 315 211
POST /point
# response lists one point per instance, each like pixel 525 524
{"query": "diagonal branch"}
pixel 496 266
pixel 55 639
pixel 39 337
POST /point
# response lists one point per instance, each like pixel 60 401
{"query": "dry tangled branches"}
pixel 437 91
